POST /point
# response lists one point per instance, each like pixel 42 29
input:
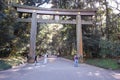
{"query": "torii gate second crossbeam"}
pixel 56 13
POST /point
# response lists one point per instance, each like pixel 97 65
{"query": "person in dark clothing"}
pixel 35 58
pixel 76 60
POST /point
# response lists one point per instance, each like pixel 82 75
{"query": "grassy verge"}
pixel 10 62
pixel 104 63
pixel 4 65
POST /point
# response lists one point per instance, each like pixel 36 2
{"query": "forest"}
pixel 101 40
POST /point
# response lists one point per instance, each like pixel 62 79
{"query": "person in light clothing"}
pixel 45 58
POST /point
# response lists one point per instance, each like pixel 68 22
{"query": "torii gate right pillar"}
pixel 79 37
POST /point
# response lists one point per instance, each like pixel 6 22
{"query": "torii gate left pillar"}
pixel 31 55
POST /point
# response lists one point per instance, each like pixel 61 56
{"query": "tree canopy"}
pixel 100 39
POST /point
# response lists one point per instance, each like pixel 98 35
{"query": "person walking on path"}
pixel 76 60
pixel 35 58
pixel 45 59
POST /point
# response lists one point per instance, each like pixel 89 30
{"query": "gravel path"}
pixel 58 69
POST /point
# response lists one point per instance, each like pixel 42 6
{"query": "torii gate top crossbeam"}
pixel 54 11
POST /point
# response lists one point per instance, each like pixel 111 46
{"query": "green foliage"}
pixel 104 63
pixel 6 29
pixel 14 37
pixel 106 48
pixel 91 46
pixel 55 38
pixel 70 35
pixel 109 49
pixel 4 65
pixel 116 49
pixel 91 40
pixel 10 62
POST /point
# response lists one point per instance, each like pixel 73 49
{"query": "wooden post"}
pixel 31 55
pixel 79 37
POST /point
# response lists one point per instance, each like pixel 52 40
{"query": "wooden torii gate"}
pixel 56 13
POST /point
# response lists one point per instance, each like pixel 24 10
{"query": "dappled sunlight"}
pixel 30 68
pixel 52 59
pixel 93 74
pixel 90 74
pixel 97 73
pixel 15 70
pixel 116 75
pixel 37 66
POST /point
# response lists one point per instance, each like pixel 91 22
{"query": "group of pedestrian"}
pixel 45 59
pixel 76 59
